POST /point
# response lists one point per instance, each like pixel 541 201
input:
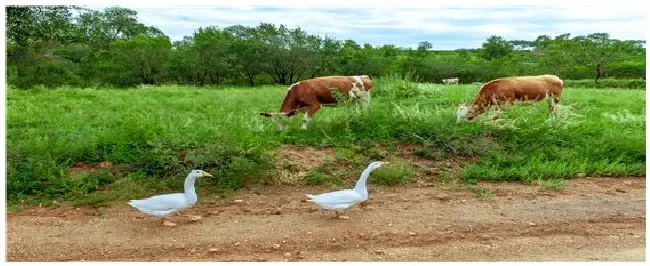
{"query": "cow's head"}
pixel 280 117
pixel 468 113
pixel 462 112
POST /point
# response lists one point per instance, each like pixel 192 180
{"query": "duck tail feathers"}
pixel 134 203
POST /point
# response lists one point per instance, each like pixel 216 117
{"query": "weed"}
pixel 480 190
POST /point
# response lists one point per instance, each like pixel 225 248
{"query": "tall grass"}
pixel 156 135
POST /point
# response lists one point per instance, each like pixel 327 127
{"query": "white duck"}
pixel 344 199
pixel 163 205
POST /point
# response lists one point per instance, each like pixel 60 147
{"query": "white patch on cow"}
pixel 358 90
pixel 293 85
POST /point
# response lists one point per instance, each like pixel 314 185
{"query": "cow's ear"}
pixel 266 114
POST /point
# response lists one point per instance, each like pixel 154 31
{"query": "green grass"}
pixel 607 83
pixel 395 173
pixel 157 135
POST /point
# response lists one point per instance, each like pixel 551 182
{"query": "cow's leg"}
pixel 309 114
pixel 552 107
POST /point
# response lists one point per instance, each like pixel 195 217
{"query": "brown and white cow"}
pixel 309 95
pixel 500 92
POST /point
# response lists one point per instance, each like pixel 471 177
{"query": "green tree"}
pixel 139 60
pixel 250 52
pixel 496 47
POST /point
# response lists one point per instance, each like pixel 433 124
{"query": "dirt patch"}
pixel 86 167
pixel 431 171
pixel 297 161
pixel 587 220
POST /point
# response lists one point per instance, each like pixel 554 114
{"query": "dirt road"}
pixel 591 219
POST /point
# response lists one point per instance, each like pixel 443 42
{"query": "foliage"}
pixel 111 47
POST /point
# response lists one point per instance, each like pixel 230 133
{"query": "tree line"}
pixel 73 46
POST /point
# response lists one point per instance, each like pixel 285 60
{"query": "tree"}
pixel 213 51
pixel 249 50
pixel 521 44
pixel 139 60
pixel 425 46
pixel 496 47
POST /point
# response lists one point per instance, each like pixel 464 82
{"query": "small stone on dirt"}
pixel 168 224
pixel 238 201
pixel 532 224
pixel 213 250
pixel 379 252
pixel 390 225
pixel 621 190
pixel 443 197
pixel 237 244
pixel 287 254
pixel 627 182
pixel 412 233
pixel 277 246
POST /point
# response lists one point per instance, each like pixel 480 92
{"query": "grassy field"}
pixel 154 136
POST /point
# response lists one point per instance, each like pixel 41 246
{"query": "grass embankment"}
pixel 152 137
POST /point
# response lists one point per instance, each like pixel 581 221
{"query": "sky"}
pixel 446 24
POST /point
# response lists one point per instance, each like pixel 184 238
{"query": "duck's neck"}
pixel 190 193
pixel 361 187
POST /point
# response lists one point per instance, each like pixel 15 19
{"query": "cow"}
pixel 309 95
pixel 503 91
pixel 453 80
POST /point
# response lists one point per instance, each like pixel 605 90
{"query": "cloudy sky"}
pixel 446 26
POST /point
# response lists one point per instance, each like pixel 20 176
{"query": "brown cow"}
pixel 309 95
pixel 508 90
